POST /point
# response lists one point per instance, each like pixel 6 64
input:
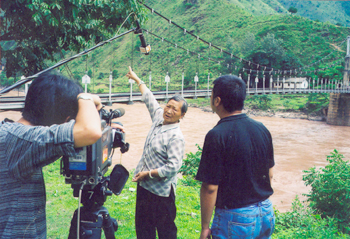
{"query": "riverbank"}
pixel 298 143
pixel 272 113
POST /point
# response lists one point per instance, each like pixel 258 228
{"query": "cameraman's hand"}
pixel 140 177
pixel 117 126
pixel 96 99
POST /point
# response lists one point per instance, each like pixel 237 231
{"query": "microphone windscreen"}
pixel 121 111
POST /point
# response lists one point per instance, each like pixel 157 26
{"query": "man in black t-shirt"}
pixel 236 168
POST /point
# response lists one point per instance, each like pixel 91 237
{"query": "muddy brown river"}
pixel 298 144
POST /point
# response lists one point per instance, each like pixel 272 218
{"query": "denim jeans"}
pixel 254 221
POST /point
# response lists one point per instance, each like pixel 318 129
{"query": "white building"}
pixel 297 83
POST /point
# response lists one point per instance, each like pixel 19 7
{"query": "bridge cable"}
pixel 62 62
pixel 243 70
pixel 216 47
pixel 132 52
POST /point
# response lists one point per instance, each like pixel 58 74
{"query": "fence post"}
pixel 110 89
pixel 208 96
pixel 182 84
pixel 130 99
pixel 248 82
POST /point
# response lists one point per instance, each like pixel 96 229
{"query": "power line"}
pixel 269 69
pixel 27 79
pixel 250 70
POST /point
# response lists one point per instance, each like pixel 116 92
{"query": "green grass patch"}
pixel 285 102
pixel 304 220
pixel 61 205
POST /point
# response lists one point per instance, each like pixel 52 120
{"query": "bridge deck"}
pixel 17 103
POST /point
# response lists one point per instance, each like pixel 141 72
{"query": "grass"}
pixel 61 205
pixel 277 102
pixel 274 102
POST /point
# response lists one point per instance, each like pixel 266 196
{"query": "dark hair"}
pixel 179 98
pixel 232 91
pixel 51 98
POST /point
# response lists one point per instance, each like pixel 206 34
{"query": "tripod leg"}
pixel 73 226
pixel 90 224
pixel 110 226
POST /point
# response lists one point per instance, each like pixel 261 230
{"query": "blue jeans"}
pixel 254 221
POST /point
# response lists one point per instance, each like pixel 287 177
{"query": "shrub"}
pixel 316 103
pixel 262 102
pixel 330 189
pixel 101 75
pixel 190 166
pixel 301 223
pixel 100 91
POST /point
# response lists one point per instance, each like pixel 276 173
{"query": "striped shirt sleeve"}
pixel 34 147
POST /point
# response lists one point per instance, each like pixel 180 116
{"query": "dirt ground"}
pixel 298 144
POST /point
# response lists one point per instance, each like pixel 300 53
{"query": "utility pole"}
pixel 339 106
pixel 347 64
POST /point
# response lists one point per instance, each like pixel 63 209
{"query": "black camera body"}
pixel 87 169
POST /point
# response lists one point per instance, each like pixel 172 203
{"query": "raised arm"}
pixel 152 104
pixel 139 82
pixel 87 128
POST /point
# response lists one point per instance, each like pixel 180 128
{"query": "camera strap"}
pixel 6 120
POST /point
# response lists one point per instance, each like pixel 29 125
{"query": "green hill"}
pixel 224 24
pixel 335 12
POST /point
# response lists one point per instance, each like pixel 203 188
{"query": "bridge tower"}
pixel 339 103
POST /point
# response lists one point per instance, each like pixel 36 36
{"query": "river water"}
pixel 298 144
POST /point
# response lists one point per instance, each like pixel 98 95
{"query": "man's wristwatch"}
pixel 85 97
pixel 141 82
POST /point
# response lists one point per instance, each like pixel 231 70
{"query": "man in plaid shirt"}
pixel 156 172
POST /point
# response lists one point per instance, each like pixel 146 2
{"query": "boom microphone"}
pixel 112 114
pixel 119 112
pixel 144 47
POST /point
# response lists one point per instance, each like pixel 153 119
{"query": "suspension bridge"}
pixel 260 79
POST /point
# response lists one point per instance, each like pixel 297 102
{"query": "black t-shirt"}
pixel 237 155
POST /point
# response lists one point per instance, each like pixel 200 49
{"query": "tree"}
pixel 190 3
pixel 269 51
pixel 115 74
pixel 32 31
pixel 292 10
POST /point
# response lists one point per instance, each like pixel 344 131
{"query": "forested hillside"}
pixel 335 12
pixel 278 41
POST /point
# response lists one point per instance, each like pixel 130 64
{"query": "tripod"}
pixel 93 216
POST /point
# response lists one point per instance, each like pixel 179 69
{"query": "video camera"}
pixel 85 173
pixel 86 170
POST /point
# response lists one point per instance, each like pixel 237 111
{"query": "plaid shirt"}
pixel 163 150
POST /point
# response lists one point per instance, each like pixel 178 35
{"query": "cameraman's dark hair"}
pixel 232 91
pixel 51 98
pixel 179 98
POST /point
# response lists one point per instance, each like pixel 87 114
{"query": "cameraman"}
pixel 56 118
pixel 156 172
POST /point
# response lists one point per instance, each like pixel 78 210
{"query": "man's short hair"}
pixel 51 98
pixel 232 91
pixel 179 98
